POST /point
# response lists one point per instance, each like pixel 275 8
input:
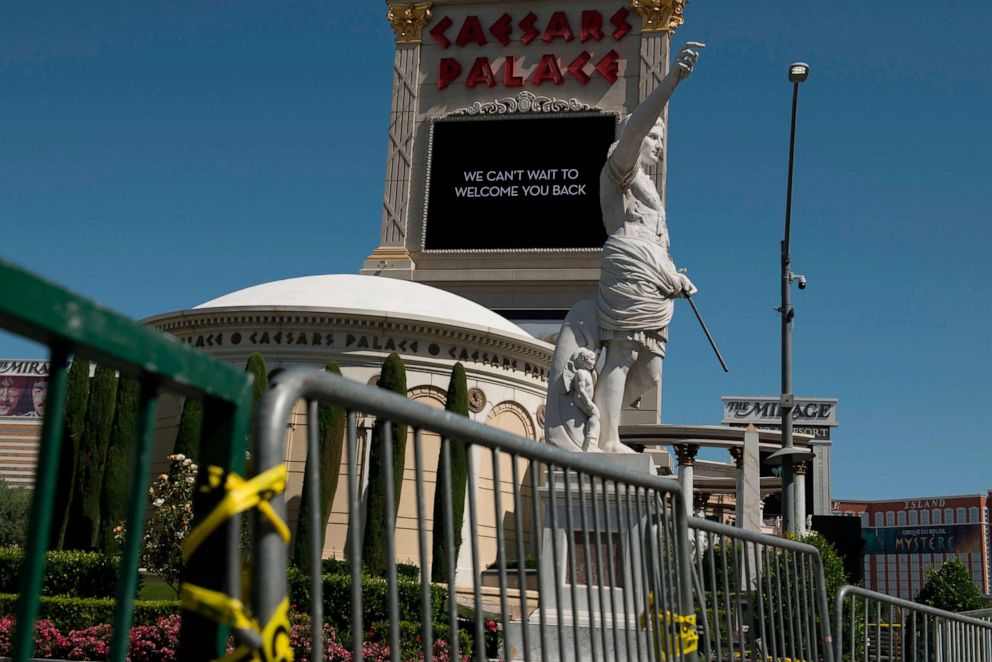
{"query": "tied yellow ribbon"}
pixel 688 638
pixel 241 495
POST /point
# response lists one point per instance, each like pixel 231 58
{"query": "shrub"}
pixel 951 588
pixel 331 424
pixel 148 643
pixel 456 402
pixel 80 574
pixel 73 613
pixel 375 598
pixel 83 527
pixel 77 395
pixel 113 494
pixel 15 510
pixel 392 378
pixel 190 429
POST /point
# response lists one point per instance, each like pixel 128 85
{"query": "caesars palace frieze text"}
pixel 593 29
pixel 343 341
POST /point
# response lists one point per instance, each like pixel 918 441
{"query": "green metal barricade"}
pixel 73 326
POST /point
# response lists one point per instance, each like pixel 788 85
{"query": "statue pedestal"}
pixel 604 605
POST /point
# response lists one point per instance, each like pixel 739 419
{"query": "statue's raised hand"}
pixel 686 59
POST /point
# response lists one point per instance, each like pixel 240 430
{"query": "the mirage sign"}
pixel 820 412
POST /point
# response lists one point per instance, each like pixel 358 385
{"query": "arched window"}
pixel 901 518
pixel 924 517
pixel 961 516
pixel 913 518
pixel 890 518
pixel 879 519
pixel 938 516
pixel 973 515
pixel 948 516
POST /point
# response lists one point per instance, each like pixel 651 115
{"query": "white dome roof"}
pixel 367 295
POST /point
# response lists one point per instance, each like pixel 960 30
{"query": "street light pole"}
pixel 797 74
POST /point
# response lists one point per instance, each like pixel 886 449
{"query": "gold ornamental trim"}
pixel 659 15
pixel 408 20
pixel 390 253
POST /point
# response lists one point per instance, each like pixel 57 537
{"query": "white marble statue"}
pixel 578 379
pixel 638 282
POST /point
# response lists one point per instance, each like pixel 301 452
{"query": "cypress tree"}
pixel 393 378
pixel 456 402
pixel 77 395
pixel 82 530
pixel 123 434
pixel 190 429
pixel 331 425
pixel 256 368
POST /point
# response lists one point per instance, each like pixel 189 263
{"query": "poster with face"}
pixel 23 388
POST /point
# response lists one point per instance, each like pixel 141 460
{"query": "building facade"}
pixel 905 538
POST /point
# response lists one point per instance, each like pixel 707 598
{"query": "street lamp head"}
pixel 798 72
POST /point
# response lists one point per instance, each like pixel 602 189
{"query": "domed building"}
pixel 358 321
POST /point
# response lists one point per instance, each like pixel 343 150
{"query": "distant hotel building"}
pixel 904 538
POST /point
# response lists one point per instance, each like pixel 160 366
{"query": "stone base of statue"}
pixel 603 605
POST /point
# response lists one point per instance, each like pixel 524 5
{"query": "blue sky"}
pixel 157 157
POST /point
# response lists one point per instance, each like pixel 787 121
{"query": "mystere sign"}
pixel 950 538
pixel 594 29
pixel 517 183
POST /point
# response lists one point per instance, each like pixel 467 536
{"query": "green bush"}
pixel 78 574
pixel 77 396
pixel 77 613
pixel 392 378
pixel 375 598
pixel 83 526
pixel 15 510
pixel 331 424
pixel 455 402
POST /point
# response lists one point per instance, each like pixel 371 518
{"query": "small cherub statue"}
pixel 578 378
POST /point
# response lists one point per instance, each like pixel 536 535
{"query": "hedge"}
pixel 375 598
pixel 77 613
pixel 79 574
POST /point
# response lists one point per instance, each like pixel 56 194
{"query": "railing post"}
pixel 33 563
pixel 687 604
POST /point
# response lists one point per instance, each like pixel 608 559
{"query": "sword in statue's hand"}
pixel 709 336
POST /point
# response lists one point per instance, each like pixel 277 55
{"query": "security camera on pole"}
pixel 793 515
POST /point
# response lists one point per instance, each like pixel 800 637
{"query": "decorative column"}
pixel 408 21
pixel 799 469
pixel 686 454
pixel 737 455
pixel 699 501
pixel 659 18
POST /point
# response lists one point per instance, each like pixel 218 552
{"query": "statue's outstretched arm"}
pixel 643 119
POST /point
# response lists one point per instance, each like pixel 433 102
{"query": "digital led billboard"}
pixel 516 183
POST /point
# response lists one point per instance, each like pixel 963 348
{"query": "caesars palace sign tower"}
pixel 502 114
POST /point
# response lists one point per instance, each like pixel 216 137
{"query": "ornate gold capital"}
pixel 408 20
pixel 659 15
pixel 686 454
pixel 737 453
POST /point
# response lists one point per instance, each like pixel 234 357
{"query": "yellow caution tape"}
pixel 217 606
pixel 688 637
pixel 241 495
pixel 275 641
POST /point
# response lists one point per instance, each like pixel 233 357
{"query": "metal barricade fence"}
pixel 613 576
pixel 874 627
pixel 760 597
pixel 71 325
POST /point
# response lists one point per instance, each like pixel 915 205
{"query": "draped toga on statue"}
pixel 638 280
